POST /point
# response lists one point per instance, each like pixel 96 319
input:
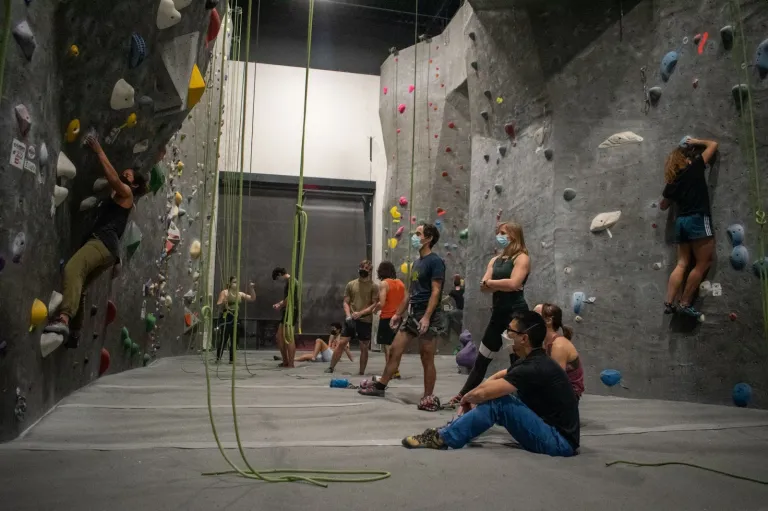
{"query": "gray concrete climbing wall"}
pixel 82 49
pixel 438 97
pixel 549 83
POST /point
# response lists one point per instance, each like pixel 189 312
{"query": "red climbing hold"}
pixel 104 363
pixel 213 26
pixel 411 88
pixel 440 211
pixel 111 312
pixel 703 42
pixel 654 225
pixel 451 125
pixel 448 150
pixel 695 83
pixel 430 61
pixel 509 129
pixel 435 135
pixel 398 130
pixel 442 85
pixel 733 316
pixel 445 174
pixel 403 201
pixel 401 108
pixel 385 90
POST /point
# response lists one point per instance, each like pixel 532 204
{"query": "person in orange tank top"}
pixel 391 295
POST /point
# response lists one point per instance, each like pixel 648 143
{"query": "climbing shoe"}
pixel 688 310
pixel 329 370
pixel 429 404
pixel 430 439
pixel 57 327
pixel 375 391
pixel 669 308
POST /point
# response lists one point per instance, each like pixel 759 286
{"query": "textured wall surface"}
pixel 564 78
pixel 56 87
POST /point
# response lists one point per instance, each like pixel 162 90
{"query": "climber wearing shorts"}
pixel 505 277
pixel 324 352
pixel 558 345
pixel 686 186
pixel 287 350
pixel 391 295
pixel 425 320
pixel 100 250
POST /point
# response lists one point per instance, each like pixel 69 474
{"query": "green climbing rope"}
pixel 412 199
pixel 682 463
pixel 4 44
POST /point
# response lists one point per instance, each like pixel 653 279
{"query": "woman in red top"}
pixel 559 346
pixel 391 295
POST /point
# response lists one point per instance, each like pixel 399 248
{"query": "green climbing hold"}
pixel 132 238
pixel 134 348
pixel 124 334
pixel 156 179
pixel 150 321
pixel 127 343
pixel 464 234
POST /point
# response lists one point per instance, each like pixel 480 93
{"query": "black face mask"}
pixel 363 273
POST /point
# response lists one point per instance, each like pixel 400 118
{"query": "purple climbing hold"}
pixel 467 356
pixel 466 335
pixel 138 50
pixel 23 118
pixel 25 39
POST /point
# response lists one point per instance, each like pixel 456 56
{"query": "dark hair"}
pixel 278 272
pixel 386 270
pixel 555 313
pixel 533 325
pixel 231 279
pixel 336 325
pixel 140 186
pixel 430 231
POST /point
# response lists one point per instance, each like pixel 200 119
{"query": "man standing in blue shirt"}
pixel 424 321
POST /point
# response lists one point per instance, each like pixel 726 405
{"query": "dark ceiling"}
pixel 348 35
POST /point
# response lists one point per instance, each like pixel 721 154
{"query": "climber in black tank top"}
pixel 100 250
pixel 505 277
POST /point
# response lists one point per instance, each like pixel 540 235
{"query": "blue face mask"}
pixel 502 240
pixel 415 242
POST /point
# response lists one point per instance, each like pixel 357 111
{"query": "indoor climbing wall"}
pixel 131 74
pixel 572 114
pixel 440 139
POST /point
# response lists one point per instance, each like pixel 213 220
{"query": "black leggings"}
pixel 226 332
pixel 489 346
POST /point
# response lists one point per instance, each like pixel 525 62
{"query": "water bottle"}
pixel 339 383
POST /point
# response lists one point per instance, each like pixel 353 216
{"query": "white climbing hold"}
pixel 49 341
pixel 180 4
pixel 591 299
pixel 656 266
pixel 705 288
pixel 43 155
pixel 141 146
pixel 196 276
pixel 65 167
pixel 578 319
pixel 59 195
pixel 25 39
pixel 100 184
pixel 195 249
pixel 567 270
pixel 122 95
pixel 167 15
pixel 168 301
pixel 538 136
pixel 189 296
pixel 605 221
pixel 54 303
pixel 88 203
pixel 625 137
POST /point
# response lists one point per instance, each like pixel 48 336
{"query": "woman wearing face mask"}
pixel 228 300
pixel 558 345
pixel 505 277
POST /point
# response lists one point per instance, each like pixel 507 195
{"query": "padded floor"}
pixel 141 439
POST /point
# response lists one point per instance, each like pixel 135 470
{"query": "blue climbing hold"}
pixel 138 50
pixel 577 301
pixel 742 394
pixel 760 267
pixel 610 377
pixel 668 64
pixel 339 383
pixel 736 233
pixel 439 225
pixel 739 257
pixel 761 59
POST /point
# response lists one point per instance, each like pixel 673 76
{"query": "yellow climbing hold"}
pixel 73 51
pixel 392 242
pixel 177 198
pixel 499 100
pixel 395 214
pixel 180 167
pixel 131 121
pixel 405 268
pixel 195 249
pixel 38 315
pixel 73 130
pixel 196 87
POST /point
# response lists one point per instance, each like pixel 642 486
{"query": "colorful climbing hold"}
pixel 392 243
pixel 403 201
pixel 739 257
pixel 156 178
pixel 396 215
pixel 385 90
pixel 73 130
pixel 405 267
pixel 25 39
pixel 19 246
pixel 177 198
pixel 736 234
pixel 38 314
pixel 195 249
pixel 214 25
pixel 122 94
pixel 451 125
pixel 464 234
pixel 733 316
pixel 668 64
pixel 401 108
pixel 702 42
pixel 138 51
pixel 167 15
pixel 411 88
pixel 440 212
pixel 111 313
pixel 577 300
pixel 499 100
pixel 448 150
pixel 444 173
pixel 509 129
pixel 610 377
pixel 149 322
pixel 73 51
pixel 742 394
pixel 196 87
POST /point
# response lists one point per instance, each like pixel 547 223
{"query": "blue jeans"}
pixel 530 431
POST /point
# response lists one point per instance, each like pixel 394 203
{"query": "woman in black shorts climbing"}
pixel 505 277
pixel 686 186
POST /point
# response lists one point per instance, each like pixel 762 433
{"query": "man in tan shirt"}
pixel 360 299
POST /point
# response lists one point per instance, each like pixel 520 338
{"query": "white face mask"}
pixel 508 341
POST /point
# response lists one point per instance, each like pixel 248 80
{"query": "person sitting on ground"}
pixel 287 349
pixel 391 295
pixel 543 417
pixel 686 186
pixel 229 300
pixel 323 352
pixel 559 346
pixel 99 251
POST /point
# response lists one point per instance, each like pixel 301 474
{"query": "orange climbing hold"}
pixel 440 211
pixel 111 313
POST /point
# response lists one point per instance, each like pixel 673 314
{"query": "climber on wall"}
pixel 558 345
pixel 505 277
pixel 100 250
pixel 229 299
pixel 686 186
pixel 391 295
pixel 287 350
pixel 425 320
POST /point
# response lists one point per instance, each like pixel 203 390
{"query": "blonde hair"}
pixel 517 243
pixel 675 162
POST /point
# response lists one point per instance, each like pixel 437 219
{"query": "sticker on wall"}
pixel 717 289
pixel 18 154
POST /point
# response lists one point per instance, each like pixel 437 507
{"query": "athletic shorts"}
pixel 436 322
pixel 692 227
pixel 295 317
pixel 356 329
pixel 325 356
pixel 385 335
pixel 497 325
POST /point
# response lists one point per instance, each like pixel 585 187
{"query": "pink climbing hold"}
pixel 448 150
pixel 435 135
pixel 403 201
pixel 451 125
pixel 401 108
pixel 411 88
pixel 398 130
pixel 430 103
pixel 399 232
pixel 385 91
pixel 437 68
pixel 509 129
pixel 413 219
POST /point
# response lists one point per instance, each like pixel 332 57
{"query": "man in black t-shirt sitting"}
pixel 543 417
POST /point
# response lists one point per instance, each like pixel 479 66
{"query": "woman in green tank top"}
pixel 505 277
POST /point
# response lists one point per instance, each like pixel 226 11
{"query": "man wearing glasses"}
pixel 543 417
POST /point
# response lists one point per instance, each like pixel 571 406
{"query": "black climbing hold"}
pixel 2 263
pixel 726 35
pixel 3 348
pixel 498 188
pixel 146 101
pixel 761 59
pixel 488 94
pixel 668 64
pixel 61 265
pixel 95 336
pixel 502 150
pixel 85 360
pixel 94 310
pixel 472 35
pixel 25 39
pixel 569 194
pixel 484 114
pixel 211 4
pixel 473 64
pixel 654 95
pixel 549 154
pixel 138 50
pixel 740 95
pixel 487 157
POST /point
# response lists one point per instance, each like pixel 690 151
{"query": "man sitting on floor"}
pixel 543 417
pixel 323 352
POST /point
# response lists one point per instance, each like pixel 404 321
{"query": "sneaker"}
pixel 689 311
pixel 329 370
pixel 365 384
pixel 373 391
pixel 429 403
pixel 57 327
pixel 669 308
pixel 430 439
